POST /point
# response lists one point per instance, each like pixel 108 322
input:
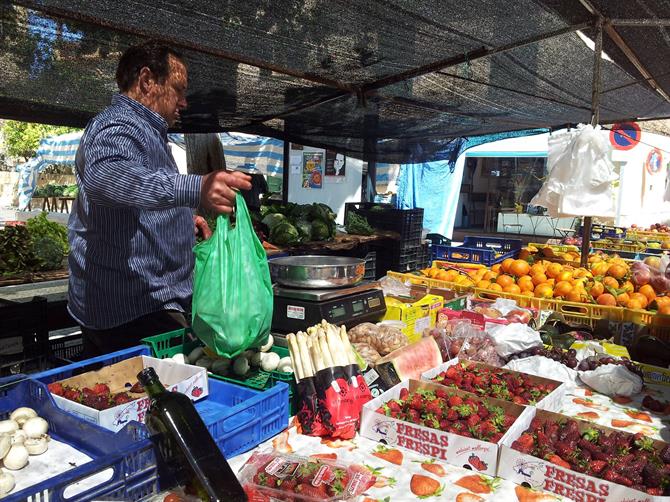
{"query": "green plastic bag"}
pixel 232 290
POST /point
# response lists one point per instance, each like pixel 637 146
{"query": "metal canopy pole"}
pixel 596 89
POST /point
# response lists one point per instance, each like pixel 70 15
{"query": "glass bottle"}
pixel 186 445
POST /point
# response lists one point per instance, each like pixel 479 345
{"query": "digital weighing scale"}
pixel 296 309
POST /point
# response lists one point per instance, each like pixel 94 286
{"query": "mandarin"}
pixel 611 282
pixel 504 281
pixel 606 299
pixel 512 288
pixel 618 271
pixel 519 268
pixel 562 288
pixel 495 287
pixel 539 279
pixel 649 292
pixel 553 270
pixel 640 298
pixel 622 299
pixel 506 265
pixel 597 289
pixel 544 291
pixel 525 283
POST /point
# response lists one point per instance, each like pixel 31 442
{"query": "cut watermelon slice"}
pixel 410 361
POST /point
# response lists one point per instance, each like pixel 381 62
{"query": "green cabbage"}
pixel 273 219
pixel 284 234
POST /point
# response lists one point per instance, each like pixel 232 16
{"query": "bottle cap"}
pixel 147 376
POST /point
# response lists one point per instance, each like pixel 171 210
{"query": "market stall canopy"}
pixel 393 81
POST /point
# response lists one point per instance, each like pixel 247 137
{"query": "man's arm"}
pixel 115 175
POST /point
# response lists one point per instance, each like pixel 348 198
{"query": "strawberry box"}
pixel 615 469
pixel 444 444
pixel 120 378
pixel 552 401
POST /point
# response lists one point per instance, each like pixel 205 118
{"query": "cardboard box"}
pixel 451 299
pixel 655 374
pixel 417 314
pixel 544 475
pixel 445 446
pixel 552 402
pixel 187 379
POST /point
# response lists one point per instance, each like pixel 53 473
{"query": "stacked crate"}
pixel 404 254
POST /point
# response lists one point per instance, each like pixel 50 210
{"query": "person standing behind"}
pixel 132 227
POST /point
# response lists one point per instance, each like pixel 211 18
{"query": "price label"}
pixel 295 312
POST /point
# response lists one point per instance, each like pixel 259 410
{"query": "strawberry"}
pixel 317 493
pixel 121 398
pixel 468 497
pixel 56 388
pixel 73 395
pixel 655 491
pixel 455 401
pixel 473 420
pixel 597 466
pixel 477 462
pixel 425 486
pixel 525 443
pixel 555 459
pixel 524 494
pixel 403 394
pixel 390 455
pixel 476 483
pixel 433 467
pixel 100 388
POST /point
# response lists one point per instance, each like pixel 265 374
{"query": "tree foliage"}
pixel 23 138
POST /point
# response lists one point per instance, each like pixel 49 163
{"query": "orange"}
pixel 536 269
pixel 634 304
pixel 606 299
pixel 664 309
pixel 506 265
pixel 544 291
pixel 539 279
pixel 553 270
pixel 628 287
pixel 495 287
pixel 600 268
pixel 622 299
pixel 562 288
pixel 597 289
pixel 504 281
pixel 649 292
pixel 484 284
pixel 640 298
pixel 611 282
pixel 512 288
pixel 565 275
pixel 489 276
pixel 519 268
pixel 525 283
pixel 580 273
pixel 617 271
pixel 496 268
pixel 442 276
pixel 595 258
pixel 575 295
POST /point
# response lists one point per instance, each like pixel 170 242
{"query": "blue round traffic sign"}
pixel 625 135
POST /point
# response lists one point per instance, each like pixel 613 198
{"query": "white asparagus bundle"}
pixel 322 346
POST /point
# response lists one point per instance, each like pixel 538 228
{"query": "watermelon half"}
pixel 410 361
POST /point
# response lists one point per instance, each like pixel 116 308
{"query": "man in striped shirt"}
pixel 131 230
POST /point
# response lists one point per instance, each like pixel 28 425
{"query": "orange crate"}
pixel 433 283
pixel 658 324
pixel 464 266
pixel 643 235
pixel 585 313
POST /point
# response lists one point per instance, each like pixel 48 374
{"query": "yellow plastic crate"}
pixel 449 264
pixel 585 313
pixel 659 324
pixel 556 248
pixel 433 283
pixel 643 235
pixel 627 247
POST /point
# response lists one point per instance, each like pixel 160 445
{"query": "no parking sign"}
pixel 625 135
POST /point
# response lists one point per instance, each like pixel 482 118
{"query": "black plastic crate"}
pixel 425 256
pixel 24 336
pixel 407 222
pixel 370 266
pixel 68 348
pixel 397 258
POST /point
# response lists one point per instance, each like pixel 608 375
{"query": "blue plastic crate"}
pixel 238 418
pixel 129 452
pixel 480 250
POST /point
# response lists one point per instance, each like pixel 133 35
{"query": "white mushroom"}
pixel 17 458
pixel 268 345
pixel 5 444
pixel 37 446
pixel 36 427
pixel 19 437
pixel 8 426
pixel 21 415
pixel 270 361
pixel 6 483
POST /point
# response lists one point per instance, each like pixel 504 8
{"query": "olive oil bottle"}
pixel 186 445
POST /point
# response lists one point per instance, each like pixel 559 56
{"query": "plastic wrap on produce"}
pixel 393 287
pixel 544 367
pixel 612 380
pixel 513 338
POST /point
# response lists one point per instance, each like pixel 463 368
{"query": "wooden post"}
pixel 595 118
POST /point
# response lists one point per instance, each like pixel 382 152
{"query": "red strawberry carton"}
pixel 545 450
pixel 274 476
pixel 499 383
pixel 82 394
pixel 466 432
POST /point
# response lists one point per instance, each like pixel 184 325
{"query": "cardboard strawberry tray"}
pixel 441 438
pixel 622 467
pixel 553 401
pixel 120 379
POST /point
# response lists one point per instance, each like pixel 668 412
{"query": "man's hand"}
pixel 218 190
pixel 202 227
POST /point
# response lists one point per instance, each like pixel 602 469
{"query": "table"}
pixel 536 225
pixel 341 242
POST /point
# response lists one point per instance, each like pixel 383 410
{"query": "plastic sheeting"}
pixel 580 176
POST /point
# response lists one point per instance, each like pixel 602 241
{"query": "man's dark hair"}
pixel 153 55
